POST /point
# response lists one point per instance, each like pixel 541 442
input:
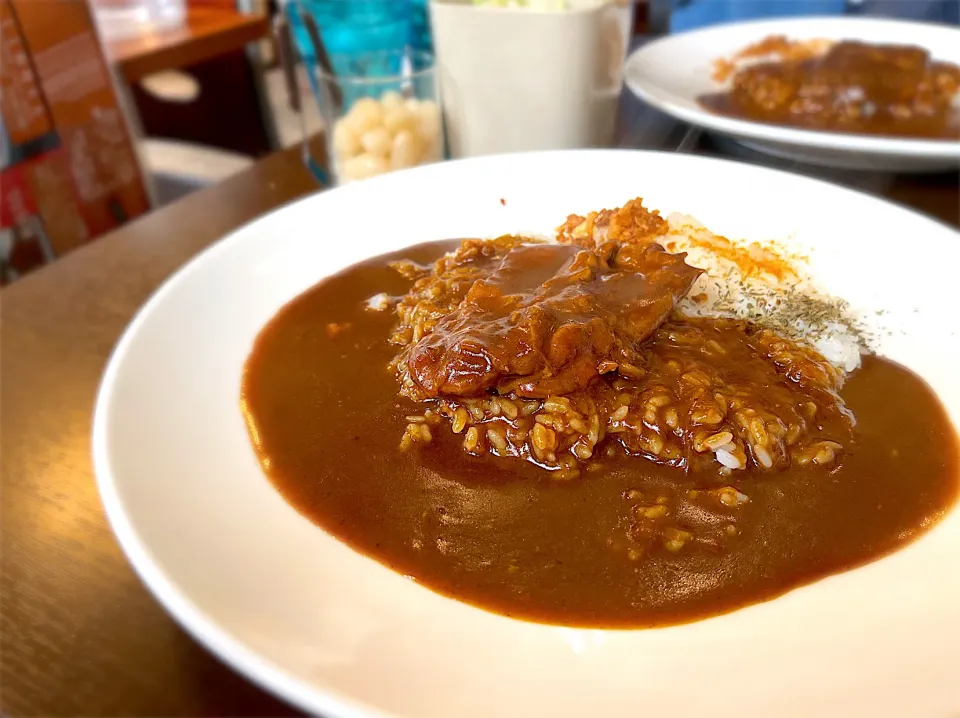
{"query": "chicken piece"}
pixel 631 224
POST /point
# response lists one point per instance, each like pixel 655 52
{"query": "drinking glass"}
pixel 377 91
pixel 381 111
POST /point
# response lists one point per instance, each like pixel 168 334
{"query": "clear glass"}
pixel 381 112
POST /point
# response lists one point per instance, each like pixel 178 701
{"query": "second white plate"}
pixel 672 72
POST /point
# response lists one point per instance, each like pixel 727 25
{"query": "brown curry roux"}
pixel 501 534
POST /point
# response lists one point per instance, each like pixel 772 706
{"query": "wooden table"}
pixel 207 33
pixel 81 636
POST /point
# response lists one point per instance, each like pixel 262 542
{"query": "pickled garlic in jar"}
pixel 391 133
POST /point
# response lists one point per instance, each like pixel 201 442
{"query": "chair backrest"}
pixel 68 167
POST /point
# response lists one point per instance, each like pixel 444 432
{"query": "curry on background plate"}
pixel 847 86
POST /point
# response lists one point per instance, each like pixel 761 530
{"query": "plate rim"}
pixel 768 132
pixel 223 643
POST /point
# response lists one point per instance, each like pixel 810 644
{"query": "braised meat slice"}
pixel 550 319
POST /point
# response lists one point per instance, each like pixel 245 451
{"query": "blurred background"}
pixel 112 108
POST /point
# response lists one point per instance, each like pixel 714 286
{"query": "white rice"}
pixel 791 305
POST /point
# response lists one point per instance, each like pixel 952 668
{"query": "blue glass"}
pixel 352 27
pixel 420 37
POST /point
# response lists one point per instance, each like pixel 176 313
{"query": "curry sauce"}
pixel 502 533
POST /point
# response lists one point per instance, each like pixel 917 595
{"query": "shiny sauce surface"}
pixel 499 533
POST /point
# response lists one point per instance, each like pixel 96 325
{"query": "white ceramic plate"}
pixel 337 633
pixel 672 72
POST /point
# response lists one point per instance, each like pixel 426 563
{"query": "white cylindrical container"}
pixel 529 79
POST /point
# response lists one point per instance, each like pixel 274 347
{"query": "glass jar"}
pixel 381 111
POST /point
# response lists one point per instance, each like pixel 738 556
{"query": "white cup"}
pixel 520 79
